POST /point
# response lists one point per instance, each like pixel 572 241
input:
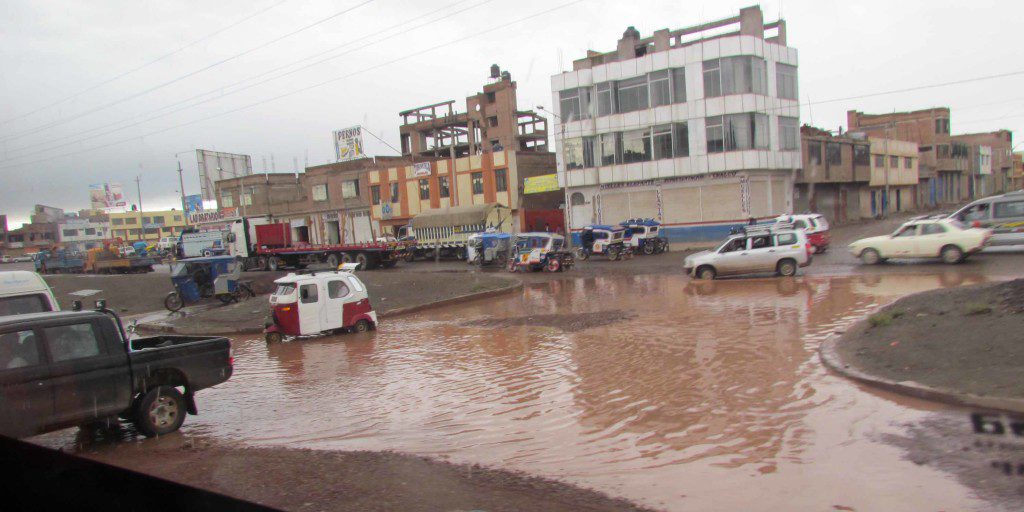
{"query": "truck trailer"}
pixel 269 246
pixel 447 230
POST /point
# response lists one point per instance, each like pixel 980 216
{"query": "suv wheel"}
pixel 786 268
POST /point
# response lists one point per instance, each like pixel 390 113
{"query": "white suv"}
pixel 755 250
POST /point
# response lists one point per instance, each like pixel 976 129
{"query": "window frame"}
pixel 319 192
pixel 49 338
pixel 350 189
pixel 331 291
pixel 501 180
pixel 786 129
pixel 375 194
pixel 783 73
pixel 443 189
pixel 307 299
pixel 395 192
pixel 424 187
pixel 476 180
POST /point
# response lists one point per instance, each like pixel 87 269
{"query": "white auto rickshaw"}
pixel 319 302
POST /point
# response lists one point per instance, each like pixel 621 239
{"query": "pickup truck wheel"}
pixel 160 412
pixel 173 301
pixel 786 268
pixel 273 338
pixel 952 254
pixel 361 326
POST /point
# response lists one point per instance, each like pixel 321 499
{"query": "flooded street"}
pixel 673 393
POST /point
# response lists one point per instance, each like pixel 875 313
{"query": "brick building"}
pixel 989 164
pixel 835 169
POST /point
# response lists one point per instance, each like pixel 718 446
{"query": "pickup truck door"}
pixel 89 371
pixel 26 395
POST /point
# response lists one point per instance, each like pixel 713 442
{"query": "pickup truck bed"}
pixel 202 361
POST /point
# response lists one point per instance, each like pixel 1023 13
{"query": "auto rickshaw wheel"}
pixel 361 326
pixel 512 267
pixel 273 337
pixel 582 254
pixel 173 301
pixel 243 292
pixel 554 265
pixel 226 298
pixel 613 253
pixel 649 249
pixel 409 256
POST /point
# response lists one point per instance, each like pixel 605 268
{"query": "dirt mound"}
pixel 1012 293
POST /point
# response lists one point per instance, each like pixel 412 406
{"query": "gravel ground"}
pixel 966 340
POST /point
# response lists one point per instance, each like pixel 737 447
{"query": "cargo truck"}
pixel 447 230
pixel 263 246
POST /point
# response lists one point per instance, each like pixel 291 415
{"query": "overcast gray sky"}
pixel 53 50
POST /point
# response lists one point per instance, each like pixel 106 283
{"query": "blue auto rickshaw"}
pixel 195 279
pixel 488 248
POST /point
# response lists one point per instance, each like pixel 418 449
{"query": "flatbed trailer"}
pixel 270 247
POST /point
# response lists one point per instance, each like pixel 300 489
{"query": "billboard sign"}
pixel 348 144
pixel 203 217
pixel 538 184
pixel 106 196
pixel 421 169
pixel 193 204
pixel 215 166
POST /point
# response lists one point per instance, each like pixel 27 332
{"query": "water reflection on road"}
pixel 699 395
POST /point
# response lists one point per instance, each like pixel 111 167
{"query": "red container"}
pixel 274 235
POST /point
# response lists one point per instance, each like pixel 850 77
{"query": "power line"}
pixel 225 94
pixel 145 65
pixel 188 75
pixel 306 88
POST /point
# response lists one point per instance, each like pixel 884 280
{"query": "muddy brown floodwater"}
pixel 694 395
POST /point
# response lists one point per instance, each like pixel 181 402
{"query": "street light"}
pixel 566 219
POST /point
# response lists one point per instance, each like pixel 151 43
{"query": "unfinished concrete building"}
pixel 492 122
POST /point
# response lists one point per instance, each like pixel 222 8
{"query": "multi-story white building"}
pixel 82 234
pixel 698 131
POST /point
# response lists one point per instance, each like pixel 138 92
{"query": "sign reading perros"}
pixel 348 143
pixel 538 184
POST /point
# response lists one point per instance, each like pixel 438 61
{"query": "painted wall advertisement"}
pixel 348 143
pixel 538 184
pixel 105 196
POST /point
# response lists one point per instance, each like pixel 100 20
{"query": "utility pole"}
pixel 138 188
pixel 885 200
pixel 181 183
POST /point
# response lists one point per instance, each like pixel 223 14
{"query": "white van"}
pixel 25 292
pixel 1003 214
pixel 204 243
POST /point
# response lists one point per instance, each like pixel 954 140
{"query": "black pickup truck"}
pixel 60 369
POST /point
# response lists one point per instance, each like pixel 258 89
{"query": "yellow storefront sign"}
pixel 538 184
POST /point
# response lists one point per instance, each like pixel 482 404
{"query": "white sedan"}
pixel 947 239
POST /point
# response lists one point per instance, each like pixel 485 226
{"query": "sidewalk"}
pixel 962 346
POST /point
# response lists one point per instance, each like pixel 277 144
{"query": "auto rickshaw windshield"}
pixel 179 269
pixel 285 289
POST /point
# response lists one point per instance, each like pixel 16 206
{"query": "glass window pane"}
pixel 608 149
pixel 588 152
pixel 789 133
pixel 661 93
pixel 715 135
pixel 501 180
pixel 785 81
pixel 636 146
pixel 573 153
pixel 337 289
pixel 678 85
pixel 18 350
pixel 569 105
pixel 760 131
pixel 308 294
pixel 604 99
pixel 662 142
pixel 67 342
pixel 681 134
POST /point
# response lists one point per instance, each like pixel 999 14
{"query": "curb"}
pixel 829 354
pixel 513 286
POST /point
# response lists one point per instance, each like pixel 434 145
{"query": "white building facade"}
pixel 700 135
pixel 78 234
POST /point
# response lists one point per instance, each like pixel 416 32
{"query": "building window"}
pixel 320 192
pixel 246 199
pixel 734 75
pixel 577 199
pixel 861 155
pixel 349 189
pixel 737 132
pixel 575 104
pixel 813 152
pixel 90 231
pixel 942 150
pixel 907 162
pixel 879 161
pixel 573 153
pixel 789 133
pixel 662 141
pixel 442 185
pixel 424 189
pixel 607 147
pixel 478 182
pixel 131 220
pixel 604 98
pixel 942 126
pixel 394 192
pixel 147 220
pixel 894 162
pixel 681 138
pixel 631 94
pixel 117 221
pixel 501 180
pixel 70 232
pixel 588 151
pixel 636 146
pixel 785 81
pixel 661 88
pixel 834 153
pixel 678 85
pixel 375 194
pixel 492 121
pixel 226 200
pixel 158 219
pixel 177 218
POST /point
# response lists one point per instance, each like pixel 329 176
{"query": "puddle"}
pixel 673 393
